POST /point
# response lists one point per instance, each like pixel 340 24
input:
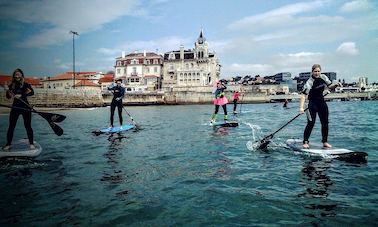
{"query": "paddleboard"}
pixel 225 124
pixel 117 129
pixel 334 152
pixel 21 148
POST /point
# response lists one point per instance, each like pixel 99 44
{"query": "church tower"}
pixel 201 48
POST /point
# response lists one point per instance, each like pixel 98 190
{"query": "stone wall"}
pixel 83 98
pixel 61 98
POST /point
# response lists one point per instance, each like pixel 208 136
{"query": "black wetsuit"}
pixel 318 105
pixel 118 93
pixel 15 113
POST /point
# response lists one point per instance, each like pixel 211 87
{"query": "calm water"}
pixel 178 170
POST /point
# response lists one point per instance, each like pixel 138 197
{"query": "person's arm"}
pixel 301 103
pixel 29 91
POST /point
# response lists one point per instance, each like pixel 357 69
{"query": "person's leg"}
pixel 112 109
pixel 235 104
pixel 214 115
pixel 27 123
pixel 225 111
pixel 119 105
pixel 13 117
pixel 323 116
pixel 309 126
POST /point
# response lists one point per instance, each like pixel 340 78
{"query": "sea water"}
pixel 178 170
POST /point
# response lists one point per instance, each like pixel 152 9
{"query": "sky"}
pixel 250 37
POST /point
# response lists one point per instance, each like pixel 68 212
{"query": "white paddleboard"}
pixel 21 148
pixel 318 150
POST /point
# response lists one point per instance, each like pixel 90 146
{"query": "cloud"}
pixel 161 45
pixel 276 16
pixel 348 48
pixel 356 6
pixel 54 19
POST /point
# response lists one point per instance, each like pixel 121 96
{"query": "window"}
pixel 132 80
pixel 124 71
pixel 147 62
pixel 155 69
pixel 137 80
pixel 118 71
pixel 171 67
pixel 134 70
pixel 156 61
pixel 134 61
pixel 187 66
pixel 147 69
pixel 171 56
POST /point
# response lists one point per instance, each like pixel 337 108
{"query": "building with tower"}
pixel 191 67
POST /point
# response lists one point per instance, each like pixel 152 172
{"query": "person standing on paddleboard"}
pixel 235 98
pixel 219 100
pixel 19 90
pixel 118 93
pixel 313 90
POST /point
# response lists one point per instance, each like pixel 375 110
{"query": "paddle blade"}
pixel 263 144
pixel 52 117
pixel 56 128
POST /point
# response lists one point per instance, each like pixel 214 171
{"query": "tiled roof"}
pixel 86 83
pixel 5 80
pixel 106 78
pixel 66 76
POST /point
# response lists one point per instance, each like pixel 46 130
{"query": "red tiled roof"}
pixel 5 80
pixel 86 83
pixel 66 76
pixel 106 78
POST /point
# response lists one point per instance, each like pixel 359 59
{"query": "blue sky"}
pixel 250 37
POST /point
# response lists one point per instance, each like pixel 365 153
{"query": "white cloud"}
pixel 162 45
pixel 59 17
pixel 243 69
pixel 276 16
pixel 356 6
pixel 347 48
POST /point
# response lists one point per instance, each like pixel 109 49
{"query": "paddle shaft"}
pixel 283 126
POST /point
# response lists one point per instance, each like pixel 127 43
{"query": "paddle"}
pixel 53 117
pixel 56 128
pixel 266 140
pixel 241 103
pixel 132 119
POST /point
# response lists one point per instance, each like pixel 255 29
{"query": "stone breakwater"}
pixel 85 98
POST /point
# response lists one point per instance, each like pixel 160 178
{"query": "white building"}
pixel 140 71
pixel 192 67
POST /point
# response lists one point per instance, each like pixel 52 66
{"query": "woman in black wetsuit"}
pixel 314 88
pixel 19 90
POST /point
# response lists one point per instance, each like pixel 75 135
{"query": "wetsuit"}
pixel 314 88
pixel 24 90
pixel 118 93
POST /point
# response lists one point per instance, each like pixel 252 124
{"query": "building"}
pixel 191 67
pixel 140 71
pixel 106 81
pixel 87 85
pixel 363 82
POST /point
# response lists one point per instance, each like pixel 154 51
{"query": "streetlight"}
pixel 73 55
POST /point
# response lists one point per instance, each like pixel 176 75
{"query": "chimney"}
pixel 123 54
pixel 182 52
pixel 144 53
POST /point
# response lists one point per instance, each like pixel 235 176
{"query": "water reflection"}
pixel 316 183
pixel 112 155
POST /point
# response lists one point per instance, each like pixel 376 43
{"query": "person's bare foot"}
pixel 327 145
pixel 306 146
